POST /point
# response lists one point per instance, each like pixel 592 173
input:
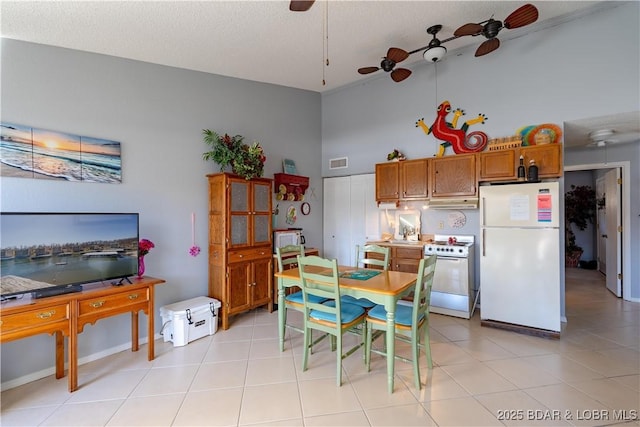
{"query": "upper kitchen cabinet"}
pixel 387 182
pixel 414 179
pixel 498 165
pixel 548 158
pixel 501 165
pixel 403 180
pixel 453 176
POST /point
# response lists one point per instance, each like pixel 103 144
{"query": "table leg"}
pixel 281 316
pixel 134 331
pixel 151 326
pixel 391 345
pixel 73 347
pixel 59 355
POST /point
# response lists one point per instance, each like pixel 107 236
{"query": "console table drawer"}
pixel 37 318
pixel 113 302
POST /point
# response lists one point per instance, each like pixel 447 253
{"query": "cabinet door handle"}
pixel 240 256
pixel 46 314
pixel 97 304
pixel 133 296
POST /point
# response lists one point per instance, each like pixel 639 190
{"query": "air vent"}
pixel 341 163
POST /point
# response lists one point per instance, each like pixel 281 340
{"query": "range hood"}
pixel 453 203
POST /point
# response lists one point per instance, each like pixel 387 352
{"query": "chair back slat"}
pixel 284 251
pixel 422 292
pixel 365 260
pixel 319 277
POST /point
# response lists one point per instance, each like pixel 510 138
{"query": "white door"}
pixel 601 226
pixel 614 231
pixel 336 211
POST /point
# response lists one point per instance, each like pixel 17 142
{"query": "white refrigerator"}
pixel 520 255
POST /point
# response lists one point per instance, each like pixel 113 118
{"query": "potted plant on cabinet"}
pixel 580 209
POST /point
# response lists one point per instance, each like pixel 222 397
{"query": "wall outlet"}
pixel 441 225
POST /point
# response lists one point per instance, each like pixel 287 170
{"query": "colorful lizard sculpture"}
pixel 456 138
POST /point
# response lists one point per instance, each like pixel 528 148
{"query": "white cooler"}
pixel 186 321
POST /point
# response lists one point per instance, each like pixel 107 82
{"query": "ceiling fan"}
pixel 300 5
pixel 604 137
pixel 490 28
pixel 394 55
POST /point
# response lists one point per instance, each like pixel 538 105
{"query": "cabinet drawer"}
pixel 34 318
pixel 111 302
pixel 415 253
pixel 249 254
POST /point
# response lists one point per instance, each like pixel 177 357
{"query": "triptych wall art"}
pixel 27 152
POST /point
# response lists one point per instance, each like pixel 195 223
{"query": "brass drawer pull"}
pixel 133 296
pixel 46 314
pixel 97 304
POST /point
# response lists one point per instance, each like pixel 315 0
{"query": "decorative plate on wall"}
pixel 457 219
pixel 291 215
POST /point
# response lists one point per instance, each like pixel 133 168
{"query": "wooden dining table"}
pixel 385 288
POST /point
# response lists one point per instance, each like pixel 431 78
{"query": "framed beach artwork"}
pixel 27 152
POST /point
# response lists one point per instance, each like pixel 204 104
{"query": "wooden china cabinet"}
pixel 240 243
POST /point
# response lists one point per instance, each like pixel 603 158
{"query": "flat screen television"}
pixel 52 253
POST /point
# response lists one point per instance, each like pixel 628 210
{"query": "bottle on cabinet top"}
pixel 533 171
pixel 521 172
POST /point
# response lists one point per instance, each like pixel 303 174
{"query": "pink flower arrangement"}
pixel 144 246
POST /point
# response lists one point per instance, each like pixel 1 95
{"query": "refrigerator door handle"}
pixel 484 242
pixel 484 211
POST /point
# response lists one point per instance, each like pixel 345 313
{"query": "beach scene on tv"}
pixel 27 152
pixel 48 250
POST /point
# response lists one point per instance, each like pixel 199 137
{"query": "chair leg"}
pixel 307 343
pixel 339 359
pixel 367 348
pixel 427 346
pixel 415 348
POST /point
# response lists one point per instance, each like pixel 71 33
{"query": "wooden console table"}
pixel 66 315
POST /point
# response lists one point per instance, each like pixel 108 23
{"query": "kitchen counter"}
pixel 408 243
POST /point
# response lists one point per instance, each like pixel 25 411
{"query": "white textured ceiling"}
pixel 265 42
pixel 262 40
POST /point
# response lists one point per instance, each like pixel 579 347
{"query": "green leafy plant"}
pixel 580 210
pixel 245 160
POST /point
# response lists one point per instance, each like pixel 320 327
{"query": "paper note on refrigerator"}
pixel 519 207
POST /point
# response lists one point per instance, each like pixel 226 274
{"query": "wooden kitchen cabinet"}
pixel 240 243
pixel 548 158
pixel 453 176
pixel 414 179
pixel 403 180
pixel 388 182
pixel 498 165
pixel 402 257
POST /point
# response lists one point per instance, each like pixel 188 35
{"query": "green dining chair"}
pixel 287 257
pixel 411 321
pixel 366 258
pixel 320 279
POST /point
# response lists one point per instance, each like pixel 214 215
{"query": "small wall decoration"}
pixel 305 208
pixel 27 152
pixel 194 250
pixel 456 138
pixel 291 215
pixel 289 167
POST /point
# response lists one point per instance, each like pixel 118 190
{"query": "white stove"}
pixel 453 292
pixel 448 245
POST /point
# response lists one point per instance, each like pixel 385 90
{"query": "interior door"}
pixel 336 210
pixel 614 231
pixel 601 225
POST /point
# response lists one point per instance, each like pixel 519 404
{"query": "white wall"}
pixel 157 113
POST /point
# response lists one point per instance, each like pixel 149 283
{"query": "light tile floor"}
pixel 481 376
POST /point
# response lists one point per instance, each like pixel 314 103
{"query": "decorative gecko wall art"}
pixel 456 138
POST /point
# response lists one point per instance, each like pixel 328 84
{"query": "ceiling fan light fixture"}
pixel 434 54
pixel 600 134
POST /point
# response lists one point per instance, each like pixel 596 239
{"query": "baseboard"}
pixel 34 376
pixel 521 329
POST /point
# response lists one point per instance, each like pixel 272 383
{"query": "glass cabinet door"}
pixel 261 212
pixel 239 213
